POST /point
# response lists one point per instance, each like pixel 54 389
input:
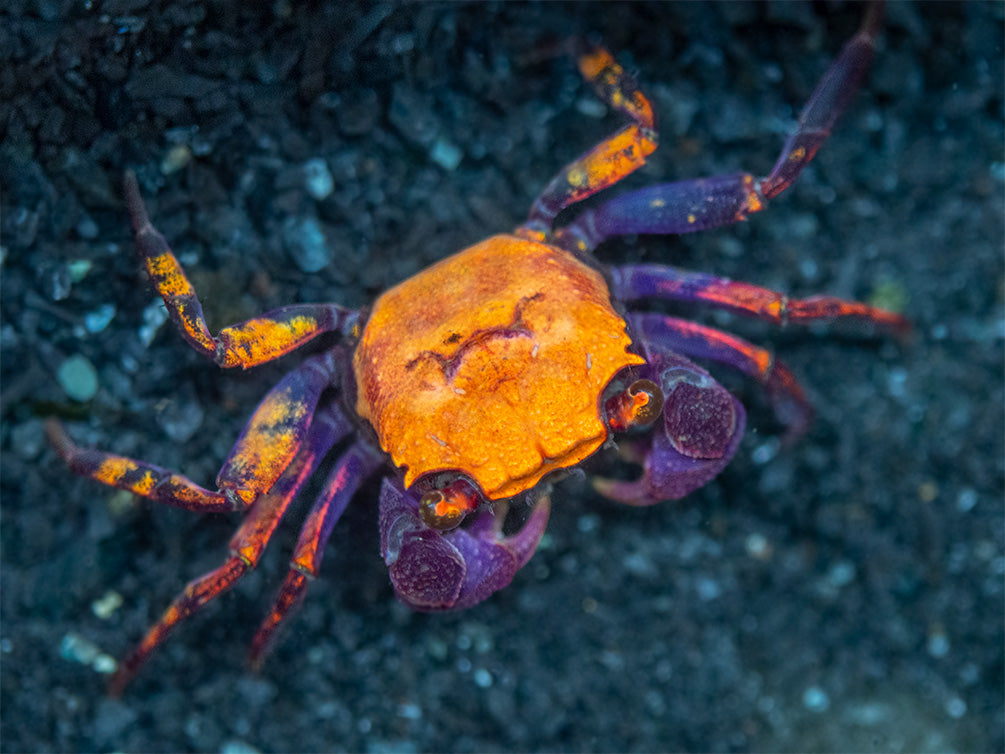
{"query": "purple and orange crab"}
pixel 480 379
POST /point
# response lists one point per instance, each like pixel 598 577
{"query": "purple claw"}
pixel 701 430
pixel 435 570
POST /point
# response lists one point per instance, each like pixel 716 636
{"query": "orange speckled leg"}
pixel 246 546
pixel 352 469
pixel 138 477
pixel 246 344
pixel 276 430
pixel 612 159
pixel 268 443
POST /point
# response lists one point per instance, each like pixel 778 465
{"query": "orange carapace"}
pixel 492 363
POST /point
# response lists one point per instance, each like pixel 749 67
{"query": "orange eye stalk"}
pixel 446 508
pixel 636 406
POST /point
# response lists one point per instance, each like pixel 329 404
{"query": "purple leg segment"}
pixel 433 570
pixel 641 281
pixel 702 342
pixel 351 470
pixel 665 209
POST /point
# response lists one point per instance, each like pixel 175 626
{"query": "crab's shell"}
pixel 492 362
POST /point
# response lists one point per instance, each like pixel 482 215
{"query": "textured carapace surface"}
pixel 492 363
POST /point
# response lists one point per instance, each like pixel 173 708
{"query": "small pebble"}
pixel 318 179
pixel 305 241
pixel 708 589
pixel 938 643
pixel 78 269
pixel 956 708
pixel 483 678
pixel 58 282
pixel 76 648
pixel 27 439
pixel 816 699
pixel 105 664
pixel 591 107
pixel 841 573
pixel 235 746
pixel 410 711
pixel 446 154
pixel 758 547
pixel 176 158
pixel 966 500
pixel 78 378
pixel 87 228
pixel 766 451
pixel 154 316
pixel 108 604
pixel 180 419
pixel 98 320
pixel 412 113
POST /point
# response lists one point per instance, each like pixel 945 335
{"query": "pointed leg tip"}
pixel 134 202
pixel 626 492
pixel 256 659
pixel 606 487
pixel 58 438
pixel 117 683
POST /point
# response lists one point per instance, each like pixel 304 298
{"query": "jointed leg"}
pixel 247 344
pixel 665 209
pixel 635 282
pixel 611 160
pixel 688 206
pixel 825 105
pixel 702 342
pixel 352 469
pixel 246 546
pixel 268 443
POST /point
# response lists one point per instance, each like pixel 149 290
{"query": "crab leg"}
pixel 352 469
pixel 268 443
pixel 612 159
pixel 246 546
pixel 700 341
pixel 702 422
pixel 432 570
pixel 640 281
pixel 246 344
pixel 699 204
pixel 825 105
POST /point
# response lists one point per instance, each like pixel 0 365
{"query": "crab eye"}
pixel 636 406
pixel 446 507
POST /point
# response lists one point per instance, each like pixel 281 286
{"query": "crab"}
pixel 487 376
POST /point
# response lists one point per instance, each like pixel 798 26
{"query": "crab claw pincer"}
pixel 435 570
pixel 699 432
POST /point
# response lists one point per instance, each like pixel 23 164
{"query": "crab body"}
pixel 490 363
pixel 480 376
